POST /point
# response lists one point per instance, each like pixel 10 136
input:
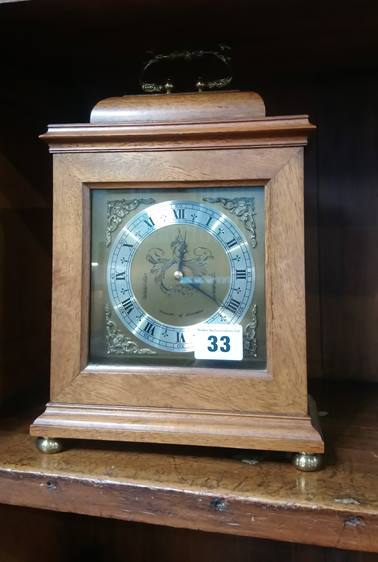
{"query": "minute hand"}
pixel 195 286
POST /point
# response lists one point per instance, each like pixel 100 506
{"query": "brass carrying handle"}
pixel 187 56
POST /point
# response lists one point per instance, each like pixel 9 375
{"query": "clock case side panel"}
pixel 69 322
pixel 285 281
pixel 281 396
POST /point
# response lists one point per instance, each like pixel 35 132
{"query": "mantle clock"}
pixel 178 277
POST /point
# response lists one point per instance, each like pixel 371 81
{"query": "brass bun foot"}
pixel 307 462
pixel 49 445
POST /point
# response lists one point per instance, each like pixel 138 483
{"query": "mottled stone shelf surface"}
pixel 243 493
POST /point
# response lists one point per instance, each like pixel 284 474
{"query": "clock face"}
pixel 176 265
pixel 167 264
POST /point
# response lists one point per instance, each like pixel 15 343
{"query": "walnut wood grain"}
pixel 227 408
pixel 276 433
pixel 179 108
pixel 259 132
pixel 212 489
pixel 285 393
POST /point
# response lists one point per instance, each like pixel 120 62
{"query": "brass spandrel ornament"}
pixel 118 210
pixel 180 318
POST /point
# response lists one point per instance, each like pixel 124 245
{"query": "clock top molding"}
pixel 224 119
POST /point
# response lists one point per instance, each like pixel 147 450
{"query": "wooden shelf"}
pixel 225 491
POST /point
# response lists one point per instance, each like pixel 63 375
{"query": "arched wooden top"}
pixel 204 107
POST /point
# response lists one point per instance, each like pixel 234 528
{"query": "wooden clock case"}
pixel 181 140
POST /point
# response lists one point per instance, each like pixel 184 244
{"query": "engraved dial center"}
pixel 185 274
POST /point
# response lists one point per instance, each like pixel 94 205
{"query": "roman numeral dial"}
pixel 175 265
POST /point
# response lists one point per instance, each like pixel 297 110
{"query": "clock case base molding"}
pixel 181 427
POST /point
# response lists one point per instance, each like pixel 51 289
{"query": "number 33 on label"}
pixel 217 341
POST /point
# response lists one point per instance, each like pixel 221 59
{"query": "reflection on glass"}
pixel 166 261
